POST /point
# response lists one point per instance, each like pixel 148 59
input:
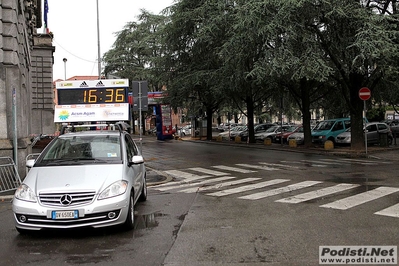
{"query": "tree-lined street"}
pixel 266 60
pixel 230 204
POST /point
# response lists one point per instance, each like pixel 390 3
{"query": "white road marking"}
pixel 207 171
pixel 277 191
pixel 280 165
pixel 392 211
pixel 196 184
pixel 317 193
pixel 248 187
pixel 186 176
pixel 259 167
pixel 233 169
pixel 361 198
pixel 304 162
pixel 221 185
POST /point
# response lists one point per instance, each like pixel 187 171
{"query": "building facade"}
pixel 26 60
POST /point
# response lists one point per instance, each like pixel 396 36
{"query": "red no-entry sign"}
pixel 364 94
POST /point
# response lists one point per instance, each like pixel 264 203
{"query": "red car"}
pixel 285 134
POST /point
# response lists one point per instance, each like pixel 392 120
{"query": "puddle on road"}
pixel 147 220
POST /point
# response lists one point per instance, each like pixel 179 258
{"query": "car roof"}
pixel 92 133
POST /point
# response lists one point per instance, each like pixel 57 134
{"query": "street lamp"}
pixel 65 60
pixel 98 41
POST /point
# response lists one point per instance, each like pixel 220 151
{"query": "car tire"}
pixel 22 231
pixel 129 222
pixel 143 195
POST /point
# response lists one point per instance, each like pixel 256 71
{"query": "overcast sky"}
pixel 74 25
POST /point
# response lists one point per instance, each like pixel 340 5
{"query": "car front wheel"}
pixel 143 196
pixel 129 222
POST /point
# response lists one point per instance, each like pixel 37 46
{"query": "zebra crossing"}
pixel 218 181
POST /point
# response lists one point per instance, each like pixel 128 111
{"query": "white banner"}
pixel 91 113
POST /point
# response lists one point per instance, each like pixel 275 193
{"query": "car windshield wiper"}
pixel 71 160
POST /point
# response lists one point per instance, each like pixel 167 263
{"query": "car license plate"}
pixel 56 215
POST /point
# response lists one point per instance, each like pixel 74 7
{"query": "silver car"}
pixel 82 179
pixel 297 136
pixel 373 129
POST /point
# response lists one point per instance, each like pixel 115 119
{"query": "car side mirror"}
pixel 137 159
pixel 30 163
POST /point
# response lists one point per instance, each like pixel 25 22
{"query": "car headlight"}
pixel 25 193
pixel 116 189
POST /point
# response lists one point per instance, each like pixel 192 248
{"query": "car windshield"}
pixel 101 147
pixel 324 125
pixel 291 129
pixel 272 129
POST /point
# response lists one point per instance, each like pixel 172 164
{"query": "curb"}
pixel 321 151
pixel 167 178
pixel 6 197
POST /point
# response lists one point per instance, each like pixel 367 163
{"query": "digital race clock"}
pixel 92 100
pixel 92 95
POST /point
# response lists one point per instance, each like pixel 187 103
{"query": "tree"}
pixel 192 39
pixel 134 53
pixel 341 43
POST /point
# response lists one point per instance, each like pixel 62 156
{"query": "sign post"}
pixel 364 94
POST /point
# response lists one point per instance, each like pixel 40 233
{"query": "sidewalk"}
pixel 390 153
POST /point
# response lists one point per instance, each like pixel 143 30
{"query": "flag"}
pixel 46 29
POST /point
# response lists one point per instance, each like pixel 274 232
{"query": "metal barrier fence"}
pixel 9 177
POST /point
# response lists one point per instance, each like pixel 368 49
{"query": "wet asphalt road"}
pixel 194 228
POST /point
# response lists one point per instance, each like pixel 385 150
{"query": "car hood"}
pixel 296 135
pixel 344 134
pixel 320 132
pixel 73 178
pixel 263 134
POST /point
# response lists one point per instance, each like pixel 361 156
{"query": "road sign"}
pixel 364 94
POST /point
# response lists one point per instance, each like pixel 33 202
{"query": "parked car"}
pixel 224 127
pixel 184 131
pixel 394 125
pixel 271 132
pixel 284 135
pixel 329 129
pixel 298 136
pixel 374 131
pixel 81 179
pixel 227 135
pixel 259 128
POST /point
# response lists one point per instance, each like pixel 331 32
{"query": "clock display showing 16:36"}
pixel 92 96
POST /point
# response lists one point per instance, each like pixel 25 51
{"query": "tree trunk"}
pixel 209 123
pixel 356 112
pixel 250 116
pixel 305 98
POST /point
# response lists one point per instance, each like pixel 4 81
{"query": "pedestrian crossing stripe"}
pixel 196 184
pixel 259 167
pixel 277 191
pixel 280 165
pixel 311 163
pixel 187 176
pixel 361 198
pixel 221 185
pixel 207 171
pixel 248 187
pixel 233 169
pixel 392 211
pixel 318 193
